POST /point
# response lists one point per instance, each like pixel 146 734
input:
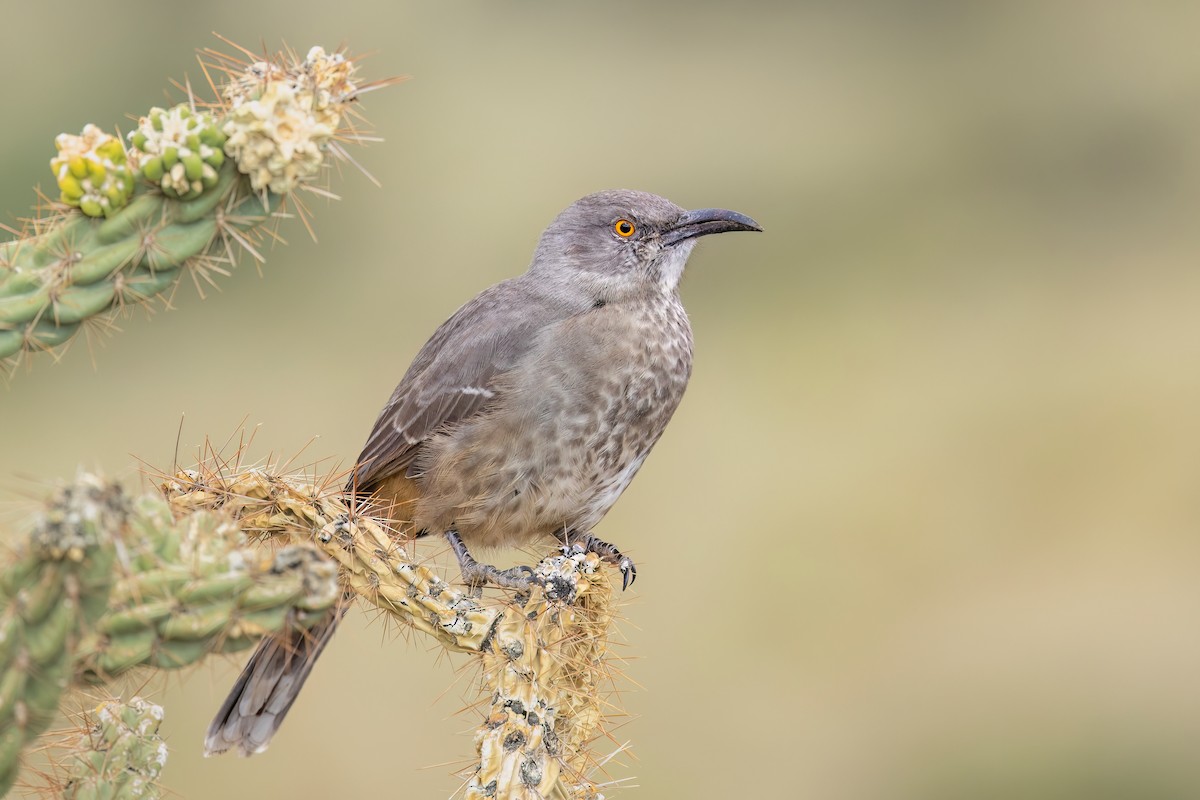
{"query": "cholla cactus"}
pixel 211 179
pixel 54 589
pixel 545 671
pixel 193 587
pixel 544 656
pixel 118 755
pixel 107 584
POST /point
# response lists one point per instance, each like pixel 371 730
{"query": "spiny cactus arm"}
pixel 195 588
pixel 543 676
pixel 193 189
pixel 543 656
pixel 97 267
pixel 57 585
pixel 106 584
pixel 118 755
pixel 373 564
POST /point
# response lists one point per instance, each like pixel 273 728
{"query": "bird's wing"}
pixel 452 378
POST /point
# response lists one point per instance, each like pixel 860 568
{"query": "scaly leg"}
pixel 477 575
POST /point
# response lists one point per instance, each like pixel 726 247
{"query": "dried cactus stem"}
pixel 542 671
pixel 374 567
pixel 186 587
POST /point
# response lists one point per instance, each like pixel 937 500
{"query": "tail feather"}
pixel 268 686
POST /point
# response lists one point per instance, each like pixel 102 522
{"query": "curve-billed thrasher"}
pixel 525 415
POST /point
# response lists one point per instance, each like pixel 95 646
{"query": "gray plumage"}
pixel 525 415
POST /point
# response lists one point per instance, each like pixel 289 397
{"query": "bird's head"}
pixel 621 242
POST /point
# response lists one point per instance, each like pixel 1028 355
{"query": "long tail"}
pixel 268 686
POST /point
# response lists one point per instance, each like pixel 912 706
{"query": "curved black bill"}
pixel 704 221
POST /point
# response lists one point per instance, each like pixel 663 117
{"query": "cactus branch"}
pixel 117 754
pixel 219 559
pixel 543 655
pixel 192 587
pixel 194 187
pixel 50 593
pixel 107 584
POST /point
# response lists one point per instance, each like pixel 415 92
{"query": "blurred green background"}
pixel 924 527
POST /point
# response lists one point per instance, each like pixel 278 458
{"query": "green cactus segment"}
pixel 179 150
pixel 119 756
pixel 80 269
pixel 280 120
pixel 57 586
pixel 71 610
pixel 92 172
pixel 195 589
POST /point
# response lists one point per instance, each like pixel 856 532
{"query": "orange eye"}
pixel 624 228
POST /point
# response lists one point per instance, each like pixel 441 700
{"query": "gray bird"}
pixel 524 416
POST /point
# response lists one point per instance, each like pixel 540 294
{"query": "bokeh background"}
pixel 924 527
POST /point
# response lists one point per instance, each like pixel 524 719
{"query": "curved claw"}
pixel 628 572
pixel 578 542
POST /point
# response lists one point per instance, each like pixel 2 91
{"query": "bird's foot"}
pixel 587 543
pixel 477 575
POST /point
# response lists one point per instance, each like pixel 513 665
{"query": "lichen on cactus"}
pixel 179 150
pixel 544 672
pixel 215 175
pixel 92 172
pixel 118 755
